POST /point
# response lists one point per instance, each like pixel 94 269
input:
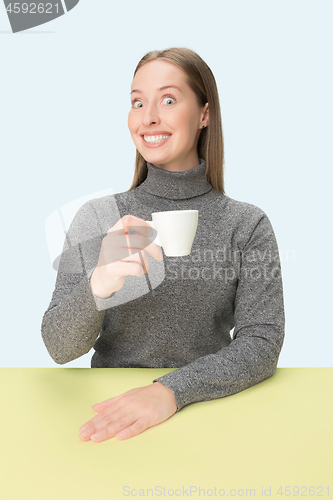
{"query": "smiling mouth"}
pixel 155 139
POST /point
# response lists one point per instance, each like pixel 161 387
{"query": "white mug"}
pixel 175 231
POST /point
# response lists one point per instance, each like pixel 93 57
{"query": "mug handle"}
pixel 156 240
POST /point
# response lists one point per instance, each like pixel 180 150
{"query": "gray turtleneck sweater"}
pixel 180 314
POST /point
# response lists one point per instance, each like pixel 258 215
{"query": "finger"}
pixel 91 426
pixel 125 265
pixel 136 242
pixel 133 430
pixel 131 220
pixel 120 246
pixel 109 414
pixel 139 258
pixel 120 241
pixel 155 251
pixel 95 426
pixel 106 403
pixel 128 268
pixel 135 265
pixel 109 431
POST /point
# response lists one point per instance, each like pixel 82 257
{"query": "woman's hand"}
pixel 122 255
pixel 130 413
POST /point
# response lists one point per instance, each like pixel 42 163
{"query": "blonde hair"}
pixel 201 80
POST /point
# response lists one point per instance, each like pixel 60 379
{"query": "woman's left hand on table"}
pixel 130 413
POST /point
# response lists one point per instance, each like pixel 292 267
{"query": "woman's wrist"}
pixel 97 287
pixel 168 392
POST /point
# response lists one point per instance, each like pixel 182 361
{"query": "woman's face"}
pixel 165 119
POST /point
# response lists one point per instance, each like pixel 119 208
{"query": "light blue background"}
pixel 64 105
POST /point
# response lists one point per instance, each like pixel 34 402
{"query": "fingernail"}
pixel 95 436
pixel 85 434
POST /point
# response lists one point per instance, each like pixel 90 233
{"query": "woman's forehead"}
pixel 156 74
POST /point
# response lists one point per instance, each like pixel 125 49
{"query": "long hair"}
pixel 201 80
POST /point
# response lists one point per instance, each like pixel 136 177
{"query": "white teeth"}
pixel 155 138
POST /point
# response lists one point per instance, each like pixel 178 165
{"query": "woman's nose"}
pixel 150 115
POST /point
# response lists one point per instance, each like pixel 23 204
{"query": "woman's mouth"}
pixel 154 141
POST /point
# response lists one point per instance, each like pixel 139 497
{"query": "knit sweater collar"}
pixel 176 185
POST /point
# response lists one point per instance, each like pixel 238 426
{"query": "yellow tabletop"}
pixel 272 440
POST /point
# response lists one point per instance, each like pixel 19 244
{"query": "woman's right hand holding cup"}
pixel 123 254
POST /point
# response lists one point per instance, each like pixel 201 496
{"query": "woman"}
pixel 232 279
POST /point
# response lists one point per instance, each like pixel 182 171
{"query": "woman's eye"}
pixel 134 102
pixel 169 99
pixel 138 104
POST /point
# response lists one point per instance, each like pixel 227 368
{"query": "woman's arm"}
pixel 252 355
pixel 72 322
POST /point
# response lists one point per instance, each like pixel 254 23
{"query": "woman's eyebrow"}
pixel 161 88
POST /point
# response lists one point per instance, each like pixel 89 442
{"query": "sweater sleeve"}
pixel 73 319
pixel 252 355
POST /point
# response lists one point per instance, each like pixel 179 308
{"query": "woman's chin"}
pixel 150 157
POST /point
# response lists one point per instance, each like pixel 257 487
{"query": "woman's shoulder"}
pixel 243 219
pixel 99 212
pixel 101 203
pixel 239 209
